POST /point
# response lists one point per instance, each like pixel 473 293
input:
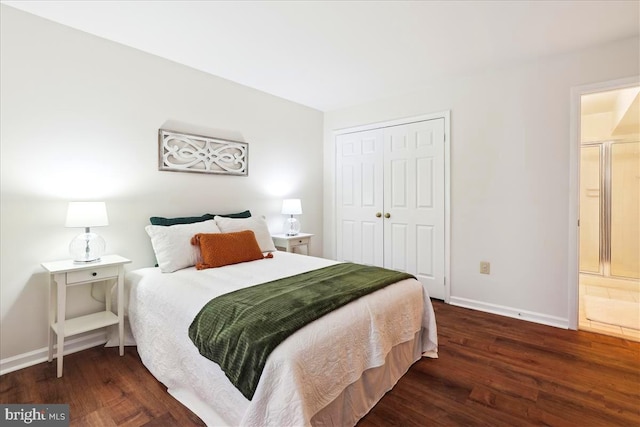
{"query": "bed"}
pixel 323 374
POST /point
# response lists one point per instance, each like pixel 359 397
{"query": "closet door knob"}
pixel 378 214
pixel 387 215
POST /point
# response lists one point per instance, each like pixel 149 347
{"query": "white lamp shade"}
pixel 291 207
pixel 87 214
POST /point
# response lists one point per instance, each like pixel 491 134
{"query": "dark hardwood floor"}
pixel 492 371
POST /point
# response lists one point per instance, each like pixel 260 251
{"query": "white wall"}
pixel 79 121
pixel 509 174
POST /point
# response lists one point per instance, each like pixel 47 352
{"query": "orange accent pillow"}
pixel 220 249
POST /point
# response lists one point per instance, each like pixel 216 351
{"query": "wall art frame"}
pixel 182 152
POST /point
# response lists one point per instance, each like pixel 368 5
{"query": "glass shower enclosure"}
pixel 610 209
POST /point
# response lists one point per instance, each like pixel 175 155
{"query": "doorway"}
pixel 609 212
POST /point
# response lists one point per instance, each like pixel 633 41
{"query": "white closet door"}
pixel 414 201
pixel 359 197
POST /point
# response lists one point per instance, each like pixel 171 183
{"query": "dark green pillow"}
pixel 157 220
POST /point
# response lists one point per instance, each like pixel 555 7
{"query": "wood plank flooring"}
pixel 492 371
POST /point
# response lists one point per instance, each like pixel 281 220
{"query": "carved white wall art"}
pixel 182 152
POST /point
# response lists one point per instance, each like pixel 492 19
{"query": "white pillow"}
pixel 172 244
pixel 256 224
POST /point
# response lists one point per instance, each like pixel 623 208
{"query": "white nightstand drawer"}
pixel 92 274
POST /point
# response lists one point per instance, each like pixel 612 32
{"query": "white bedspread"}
pixel 305 372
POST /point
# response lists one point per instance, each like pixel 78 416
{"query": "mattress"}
pixel 332 371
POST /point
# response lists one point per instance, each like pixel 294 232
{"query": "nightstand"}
pixel 289 243
pixel 67 273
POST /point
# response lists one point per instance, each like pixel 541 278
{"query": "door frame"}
pixel 574 184
pixel 446 115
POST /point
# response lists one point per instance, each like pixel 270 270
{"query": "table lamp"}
pixel 291 207
pixel 88 246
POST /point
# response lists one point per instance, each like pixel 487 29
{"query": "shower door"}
pixel 610 209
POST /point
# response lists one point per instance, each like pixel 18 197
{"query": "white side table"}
pixel 289 243
pixel 67 273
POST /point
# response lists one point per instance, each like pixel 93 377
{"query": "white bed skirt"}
pixel 349 407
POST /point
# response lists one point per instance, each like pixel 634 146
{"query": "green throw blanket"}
pixel 240 329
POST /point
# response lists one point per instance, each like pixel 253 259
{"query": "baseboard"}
pixel 34 357
pixel 31 358
pixel 530 316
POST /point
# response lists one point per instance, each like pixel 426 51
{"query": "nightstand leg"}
pixel 59 355
pixel 121 309
pixel 51 318
pixel 62 307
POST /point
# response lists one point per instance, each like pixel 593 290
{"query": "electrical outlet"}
pixel 485 267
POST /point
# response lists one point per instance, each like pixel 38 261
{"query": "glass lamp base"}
pixel 291 227
pixel 87 247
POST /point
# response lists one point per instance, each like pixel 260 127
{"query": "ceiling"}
pixel 330 55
